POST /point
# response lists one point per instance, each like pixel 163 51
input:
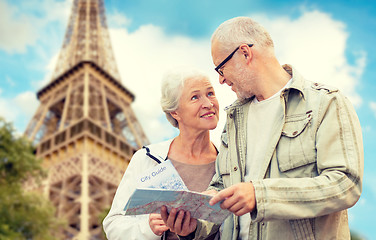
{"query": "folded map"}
pixel 150 200
pixel 162 185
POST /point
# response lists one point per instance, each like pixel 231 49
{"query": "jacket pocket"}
pixel 296 147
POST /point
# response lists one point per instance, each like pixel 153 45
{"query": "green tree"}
pixel 23 215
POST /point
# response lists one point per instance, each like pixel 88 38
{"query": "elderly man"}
pixel 291 158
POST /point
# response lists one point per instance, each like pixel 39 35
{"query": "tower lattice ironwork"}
pixel 84 129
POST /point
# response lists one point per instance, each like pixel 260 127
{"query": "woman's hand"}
pixel 156 224
pixel 180 222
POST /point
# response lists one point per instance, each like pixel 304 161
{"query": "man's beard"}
pixel 243 92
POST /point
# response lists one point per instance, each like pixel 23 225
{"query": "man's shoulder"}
pixel 320 95
pixel 322 87
pixel 303 84
pixel 316 90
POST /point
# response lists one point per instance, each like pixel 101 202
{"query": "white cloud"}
pixel 315 44
pixel 7 110
pixel 372 106
pixel 117 20
pixel 25 24
pixel 19 109
pixel 144 56
pixel 49 69
pixel 16 32
pixel 44 18
pixel 26 102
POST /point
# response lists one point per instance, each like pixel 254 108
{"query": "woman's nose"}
pixel 207 103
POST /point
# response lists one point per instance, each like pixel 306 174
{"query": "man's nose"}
pixel 222 79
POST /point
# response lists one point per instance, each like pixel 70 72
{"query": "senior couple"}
pixel 290 162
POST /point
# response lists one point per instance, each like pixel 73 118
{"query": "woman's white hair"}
pixel 242 30
pixel 172 89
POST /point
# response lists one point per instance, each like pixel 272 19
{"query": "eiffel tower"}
pixel 84 129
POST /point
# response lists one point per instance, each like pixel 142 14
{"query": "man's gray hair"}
pixel 240 30
pixel 172 89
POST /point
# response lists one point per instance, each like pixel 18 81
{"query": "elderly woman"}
pixel 190 104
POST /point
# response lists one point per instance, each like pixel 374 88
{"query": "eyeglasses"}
pixel 218 68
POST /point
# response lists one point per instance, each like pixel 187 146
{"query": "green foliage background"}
pixel 23 215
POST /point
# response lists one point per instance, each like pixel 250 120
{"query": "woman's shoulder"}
pixel 160 148
pixel 156 152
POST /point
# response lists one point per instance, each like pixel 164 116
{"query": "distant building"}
pixel 85 129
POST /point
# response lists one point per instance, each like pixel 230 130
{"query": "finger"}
pixel 225 193
pixel 235 208
pixel 189 225
pixel 171 219
pixel 211 192
pixel 159 230
pixel 229 202
pixel 157 222
pixel 242 209
pixel 163 228
pixel 155 216
pixel 164 213
pixel 187 221
pixel 193 223
pixel 241 212
pixel 179 221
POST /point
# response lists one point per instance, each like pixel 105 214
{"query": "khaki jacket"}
pixel 312 171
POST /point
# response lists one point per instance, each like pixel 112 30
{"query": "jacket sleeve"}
pixel 339 161
pixel 205 228
pixel 116 225
pixel 217 180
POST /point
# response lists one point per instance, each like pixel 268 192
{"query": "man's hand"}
pixel 156 224
pixel 180 222
pixel 239 198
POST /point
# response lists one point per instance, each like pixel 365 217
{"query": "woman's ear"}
pixel 175 115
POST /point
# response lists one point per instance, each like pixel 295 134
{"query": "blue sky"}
pixel 328 41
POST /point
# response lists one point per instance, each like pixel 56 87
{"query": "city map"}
pixel 162 185
pixel 149 200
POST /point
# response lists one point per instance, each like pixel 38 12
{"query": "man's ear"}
pixel 246 51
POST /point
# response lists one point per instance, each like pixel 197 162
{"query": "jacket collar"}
pixel 296 84
pixel 297 79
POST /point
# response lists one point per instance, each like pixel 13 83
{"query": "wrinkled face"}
pixel 235 71
pixel 198 106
